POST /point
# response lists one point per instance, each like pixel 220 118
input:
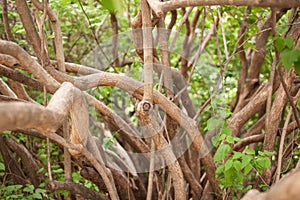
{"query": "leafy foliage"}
pixel 234 168
pixel 289 56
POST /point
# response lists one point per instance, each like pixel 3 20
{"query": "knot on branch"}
pixel 143 106
pixel 146 106
pixel 143 109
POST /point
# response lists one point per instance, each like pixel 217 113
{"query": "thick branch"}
pixel 275 117
pixel 26 115
pixel 12 49
pixel 19 77
pixel 148 51
pixel 162 7
pixel 148 120
pixel 75 188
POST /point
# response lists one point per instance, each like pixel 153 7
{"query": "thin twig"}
pixel 7 29
pixel 284 132
pixel 94 34
pixel 183 19
pixel 151 172
pixel 223 33
pixel 290 98
pixel 48 143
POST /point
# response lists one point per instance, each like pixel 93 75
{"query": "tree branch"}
pixel 12 49
pixel 162 7
pixel 148 52
pixel 75 188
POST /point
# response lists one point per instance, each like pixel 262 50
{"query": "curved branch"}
pixel 19 77
pixel 12 49
pixel 75 188
pixel 248 140
pixel 162 7
pixel 25 115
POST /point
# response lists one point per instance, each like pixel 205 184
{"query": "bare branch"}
pixel 29 26
pixel 248 140
pixel 75 188
pixel 148 51
pixel 162 7
pixel 21 78
pixel 275 117
pixel 8 32
pixel 29 63
pixel 5 90
pixel 282 138
pixel 59 53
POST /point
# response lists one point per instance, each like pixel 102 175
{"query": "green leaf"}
pixel 222 152
pixel 40 190
pixel 88 184
pixel 112 5
pixel 265 153
pixel 230 139
pixel 246 160
pixel 228 164
pixel 215 141
pixel 263 162
pixel 297 67
pixel 250 151
pixel 236 139
pixel 220 169
pixel 229 176
pixel 57 171
pixel 264 187
pixel 36 196
pixel 237 165
pixel 279 43
pixel 289 42
pixel 249 187
pixel 289 57
pixel 64 2
pixel 29 188
pixel 226 130
pixel 222 137
pixel 12 188
pixel 2 166
pixel 248 168
pixel 213 123
pixel 239 177
pixel 237 155
pixel 15 196
pixel 63 192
